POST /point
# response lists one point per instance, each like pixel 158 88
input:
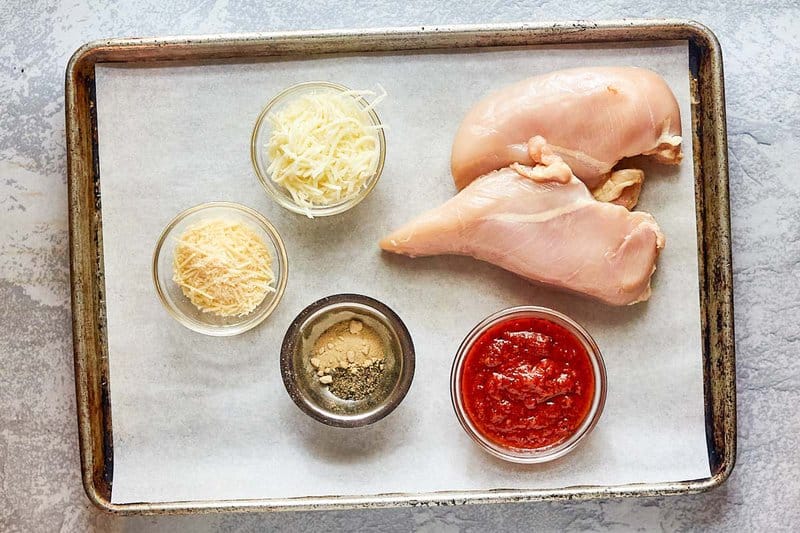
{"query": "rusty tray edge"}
pixel 87 287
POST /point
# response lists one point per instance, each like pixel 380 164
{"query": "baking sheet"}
pixel 201 418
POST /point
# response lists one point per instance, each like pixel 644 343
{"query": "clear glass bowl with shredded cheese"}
pixel 318 148
pixel 262 290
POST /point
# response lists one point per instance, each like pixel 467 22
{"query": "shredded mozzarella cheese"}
pixel 223 267
pixel 323 147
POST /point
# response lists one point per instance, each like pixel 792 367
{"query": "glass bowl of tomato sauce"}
pixel 528 384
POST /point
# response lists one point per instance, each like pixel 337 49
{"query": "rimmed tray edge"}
pixel 711 171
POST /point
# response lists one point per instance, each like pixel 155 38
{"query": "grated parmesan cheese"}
pixel 323 146
pixel 223 267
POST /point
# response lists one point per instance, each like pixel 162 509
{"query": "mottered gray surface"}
pixel 39 467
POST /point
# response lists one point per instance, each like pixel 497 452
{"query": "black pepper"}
pixel 357 382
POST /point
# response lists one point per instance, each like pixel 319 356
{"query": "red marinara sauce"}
pixel 527 383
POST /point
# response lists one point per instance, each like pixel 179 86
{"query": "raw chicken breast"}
pixel 542 223
pixel 591 117
pixel 622 187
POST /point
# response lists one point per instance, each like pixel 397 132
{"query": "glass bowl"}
pixel 300 377
pixel 170 293
pixel 530 455
pixel 260 159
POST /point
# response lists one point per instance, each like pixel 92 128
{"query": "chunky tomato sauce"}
pixel 527 383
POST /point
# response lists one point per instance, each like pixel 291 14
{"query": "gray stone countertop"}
pixel 40 488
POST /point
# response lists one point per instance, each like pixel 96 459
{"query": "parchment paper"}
pixel 196 417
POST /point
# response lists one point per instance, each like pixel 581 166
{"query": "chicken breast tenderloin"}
pixel 542 223
pixel 591 117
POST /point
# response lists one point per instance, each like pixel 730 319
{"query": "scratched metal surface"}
pixel 39 468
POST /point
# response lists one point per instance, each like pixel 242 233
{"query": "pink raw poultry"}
pixel 591 117
pixel 542 223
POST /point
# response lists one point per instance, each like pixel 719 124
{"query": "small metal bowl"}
pixel 530 455
pixel 260 160
pixel 171 295
pixel 300 378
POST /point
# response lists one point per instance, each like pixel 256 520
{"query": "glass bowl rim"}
pixel 272 189
pixel 532 455
pixel 233 329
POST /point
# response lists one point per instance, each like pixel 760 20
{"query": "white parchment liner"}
pixel 197 418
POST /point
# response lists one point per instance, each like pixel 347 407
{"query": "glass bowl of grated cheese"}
pixel 318 148
pixel 220 268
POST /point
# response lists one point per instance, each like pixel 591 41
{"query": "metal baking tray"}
pixel 86 246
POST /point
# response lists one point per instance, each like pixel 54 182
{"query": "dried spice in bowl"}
pixel 349 358
pixel 377 335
